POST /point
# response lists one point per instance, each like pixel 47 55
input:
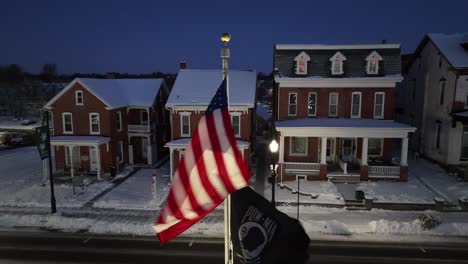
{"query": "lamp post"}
pixel 273 167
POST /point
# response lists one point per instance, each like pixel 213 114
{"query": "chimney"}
pixel 182 64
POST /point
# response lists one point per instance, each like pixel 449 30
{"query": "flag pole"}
pixel 225 54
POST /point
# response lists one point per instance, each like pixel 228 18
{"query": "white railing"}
pixel 138 128
pixel 299 167
pixel 384 170
pixel 343 165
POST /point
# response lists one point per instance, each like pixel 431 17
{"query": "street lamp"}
pixel 273 167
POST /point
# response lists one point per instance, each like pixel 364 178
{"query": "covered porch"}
pixel 325 148
pixel 79 154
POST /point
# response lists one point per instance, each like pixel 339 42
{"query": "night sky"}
pixel 149 36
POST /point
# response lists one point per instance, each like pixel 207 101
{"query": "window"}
pixel 94 127
pixel 119 121
pixel 379 100
pixel 312 104
pixel 185 124
pixel 79 97
pixel 235 120
pixel 144 117
pixel 333 104
pixel 337 63
pixel 437 134
pixel 464 148
pixel 442 92
pixel 292 104
pixel 120 151
pixel 375 147
pixel 301 63
pixel 298 146
pixel 67 123
pixel 373 63
pixel 356 105
pixel 440 61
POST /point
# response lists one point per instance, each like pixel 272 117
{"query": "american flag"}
pixel 212 167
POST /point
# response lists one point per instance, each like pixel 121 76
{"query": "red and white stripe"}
pixel 211 168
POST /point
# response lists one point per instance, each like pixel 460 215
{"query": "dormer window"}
pixel 373 63
pixel 337 63
pixel 79 97
pixel 301 63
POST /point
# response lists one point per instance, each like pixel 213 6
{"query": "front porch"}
pixel 346 149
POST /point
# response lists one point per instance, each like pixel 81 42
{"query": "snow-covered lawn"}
pixel 434 177
pixel 137 191
pixel 7 122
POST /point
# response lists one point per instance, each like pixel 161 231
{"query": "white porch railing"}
pixel 343 165
pixel 299 167
pixel 138 128
pixel 384 170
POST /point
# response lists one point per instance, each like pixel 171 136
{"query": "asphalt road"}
pixel 54 247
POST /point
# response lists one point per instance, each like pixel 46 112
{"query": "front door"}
pixel 92 159
pixel 331 149
pixel 347 149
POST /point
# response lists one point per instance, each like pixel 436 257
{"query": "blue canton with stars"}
pixel 220 99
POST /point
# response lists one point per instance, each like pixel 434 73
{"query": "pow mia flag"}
pixel 262 234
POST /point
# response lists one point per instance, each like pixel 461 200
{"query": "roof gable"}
pixel 450 45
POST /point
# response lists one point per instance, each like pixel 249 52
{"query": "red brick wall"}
pixel 344 101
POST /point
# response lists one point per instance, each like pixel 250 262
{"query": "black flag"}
pixel 262 234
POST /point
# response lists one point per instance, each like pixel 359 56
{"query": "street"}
pixel 55 247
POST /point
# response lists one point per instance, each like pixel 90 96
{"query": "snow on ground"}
pixel 435 178
pixel 7 122
pixel 137 191
pixel 312 192
pixel 397 192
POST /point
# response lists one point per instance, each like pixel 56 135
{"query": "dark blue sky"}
pixel 148 36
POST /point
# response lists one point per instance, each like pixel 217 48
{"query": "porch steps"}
pixel 354 205
pixel 344 178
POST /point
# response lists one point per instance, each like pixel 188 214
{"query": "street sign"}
pixel 42 144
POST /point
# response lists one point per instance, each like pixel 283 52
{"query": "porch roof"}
pixel 343 127
pixel 182 143
pixel 78 140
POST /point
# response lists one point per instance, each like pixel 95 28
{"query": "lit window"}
pixel 373 63
pixel 356 105
pixel 301 63
pixel 94 123
pixel 79 97
pixel 379 99
pixel 292 104
pixel 337 63
pixel 312 104
pixel 298 146
pixel 333 104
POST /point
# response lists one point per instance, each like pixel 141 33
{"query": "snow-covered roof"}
pixel 197 87
pixel 341 123
pixel 334 47
pixel 182 142
pixel 117 93
pixel 449 46
pixel 78 140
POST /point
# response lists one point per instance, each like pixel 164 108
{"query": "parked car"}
pixel 16 139
pixel 5 137
pixel 27 122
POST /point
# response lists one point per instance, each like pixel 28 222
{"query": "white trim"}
pixel 315 105
pixel 119 121
pixel 373 55
pixel 91 132
pixel 295 112
pixel 337 58
pixel 383 105
pixel 352 103
pixel 334 47
pixel 381 147
pixel 296 154
pixel 182 115
pixel 306 59
pixel 202 107
pixel 63 123
pixel 48 105
pixel 238 114
pixel 76 97
pixel 329 103
pixel 345 132
pixel 318 82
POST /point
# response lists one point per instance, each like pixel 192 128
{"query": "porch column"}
pixel 323 159
pixel 364 166
pixel 171 150
pixel 281 150
pixel 404 159
pixel 70 148
pixel 149 119
pixel 149 156
pixel 98 159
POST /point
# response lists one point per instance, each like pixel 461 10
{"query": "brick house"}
pixel 190 96
pixel 97 124
pixel 434 98
pixel 334 111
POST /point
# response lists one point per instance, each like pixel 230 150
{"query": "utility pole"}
pixel 52 193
